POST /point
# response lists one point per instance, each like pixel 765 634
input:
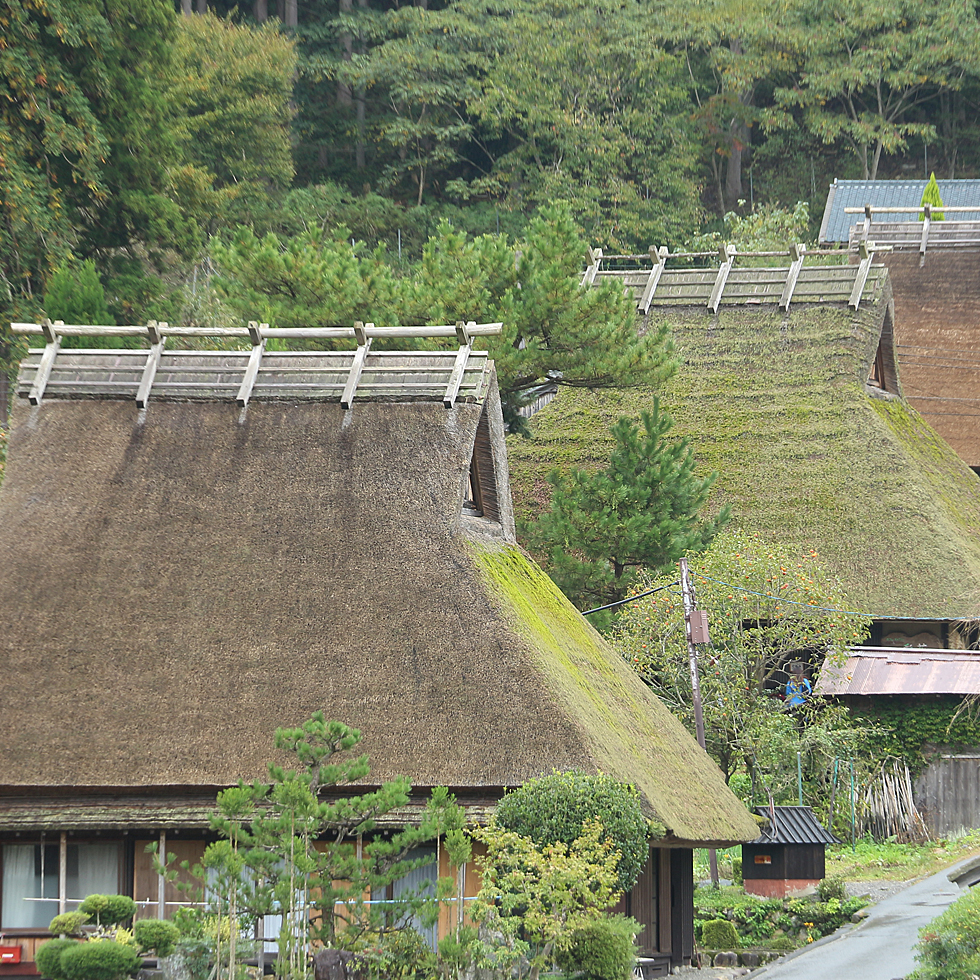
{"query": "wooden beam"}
pixel 356 369
pixel 456 377
pixel 162 878
pixel 254 363
pixel 866 251
pixel 47 362
pixel 926 222
pixel 594 256
pixel 62 872
pixel 659 258
pixel 796 253
pixel 150 369
pixel 727 255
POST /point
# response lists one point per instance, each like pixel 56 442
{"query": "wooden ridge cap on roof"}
pixel 449 376
pixel 727 285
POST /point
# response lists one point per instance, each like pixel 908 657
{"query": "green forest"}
pixel 164 153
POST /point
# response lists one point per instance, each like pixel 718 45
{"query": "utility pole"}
pixel 696 630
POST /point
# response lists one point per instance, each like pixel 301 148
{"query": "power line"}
pixel 632 598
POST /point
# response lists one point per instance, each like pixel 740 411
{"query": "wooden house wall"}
pixel 948 793
pixel 146 882
pixel 795 862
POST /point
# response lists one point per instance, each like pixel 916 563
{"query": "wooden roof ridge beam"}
pixel 659 260
pixel 924 240
pixel 459 367
pixel 254 363
pixel 594 257
pixel 797 254
pixel 157 341
pixel 866 250
pixel 53 333
pixel 727 254
pixel 357 365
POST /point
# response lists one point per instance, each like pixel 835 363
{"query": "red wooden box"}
pixel 9 954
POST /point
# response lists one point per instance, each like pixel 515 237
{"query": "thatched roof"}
pixel 180 582
pixel 806 452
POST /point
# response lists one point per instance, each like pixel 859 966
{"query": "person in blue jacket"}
pixel 798 687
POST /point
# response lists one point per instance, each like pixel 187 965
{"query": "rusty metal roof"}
pixel 902 670
pixel 792 825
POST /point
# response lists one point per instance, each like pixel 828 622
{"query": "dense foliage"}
pixel 554 808
pixel 767 607
pixel 949 946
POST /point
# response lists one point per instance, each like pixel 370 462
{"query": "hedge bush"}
pixel 104 959
pixel 108 910
pixel 602 950
pixel 719 934
pixel 156 934
pixel 553 808
pixel 47 959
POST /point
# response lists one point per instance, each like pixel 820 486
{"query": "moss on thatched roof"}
pixel 186 582
pixel 805 453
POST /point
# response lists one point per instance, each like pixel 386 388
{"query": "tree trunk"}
pixel 347 53
pixel 292 14
pixel 187 7
pixel 361 106
pixel 261 10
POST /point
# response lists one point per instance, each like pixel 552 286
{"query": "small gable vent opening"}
pixel 883 374
pixel 481 493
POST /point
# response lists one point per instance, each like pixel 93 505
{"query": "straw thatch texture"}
pixel 805 453
pixel 187 584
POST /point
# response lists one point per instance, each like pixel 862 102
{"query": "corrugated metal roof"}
pixel 793 825
pixel 902 670
pixel 889 194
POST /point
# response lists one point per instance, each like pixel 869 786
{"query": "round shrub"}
pixel 47 959
pixel 156 934
pixel 553 808
pixel 719 934
pixel 736 871
pixel 601 950
pixel 68 923
pixel 108 910
pixel 101 960
pixel 832 887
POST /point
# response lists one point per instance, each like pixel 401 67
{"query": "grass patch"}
pixel 891 861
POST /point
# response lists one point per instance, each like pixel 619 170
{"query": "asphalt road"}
pixel 879 948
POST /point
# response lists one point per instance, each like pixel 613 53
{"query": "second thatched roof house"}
pixel 268 535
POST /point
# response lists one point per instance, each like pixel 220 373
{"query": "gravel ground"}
pixel 875 891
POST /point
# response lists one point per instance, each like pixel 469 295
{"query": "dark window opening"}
pixel 481 493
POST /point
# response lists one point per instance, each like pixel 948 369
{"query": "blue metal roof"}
pixel 792 825
pixel 890 194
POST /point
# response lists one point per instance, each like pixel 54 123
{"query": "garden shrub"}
pixel 736 871
pixel 949 946
pixel 400 955
pixel 108 910
pixel 601 950
pixel 47 959
pixel 68 923
pixel 719 934
pixel 554 808
pixel 832 887
pixel 105 960
pixel 156 934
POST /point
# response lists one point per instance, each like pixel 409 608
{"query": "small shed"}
pixel 788 858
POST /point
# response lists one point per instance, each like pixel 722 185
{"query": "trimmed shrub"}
pixel 102 960
pixel 602 950
pixel 554 808
pixel 719 934
pixel 832 887
pixel 736 871
pixel 949 946
pixel 156 934
pixel 108 910
pixel 68 923
pixel 47 959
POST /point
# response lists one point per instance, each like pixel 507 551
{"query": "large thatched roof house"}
pixel 180 579
pixel 796 401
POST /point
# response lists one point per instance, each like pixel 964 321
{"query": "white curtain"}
pixel 98 872
pixel 21 882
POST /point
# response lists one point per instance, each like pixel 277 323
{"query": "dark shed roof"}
pixel 889 194
pixel 792 825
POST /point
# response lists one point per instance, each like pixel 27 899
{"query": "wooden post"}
pixel 687 592
pixel 162 878
pixel 62 873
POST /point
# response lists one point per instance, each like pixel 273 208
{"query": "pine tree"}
pixel 638 514
pixel 932 197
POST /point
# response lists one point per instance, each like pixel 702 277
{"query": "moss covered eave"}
pixel 624 730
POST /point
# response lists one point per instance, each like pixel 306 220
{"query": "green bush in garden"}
pixel 601 950
pixel 156 934
pixel 108 910
pixel 47 959
pixel 99 960
pixel 719 934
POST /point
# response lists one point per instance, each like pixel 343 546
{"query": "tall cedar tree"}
pixel 931 196
pixel 638 514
